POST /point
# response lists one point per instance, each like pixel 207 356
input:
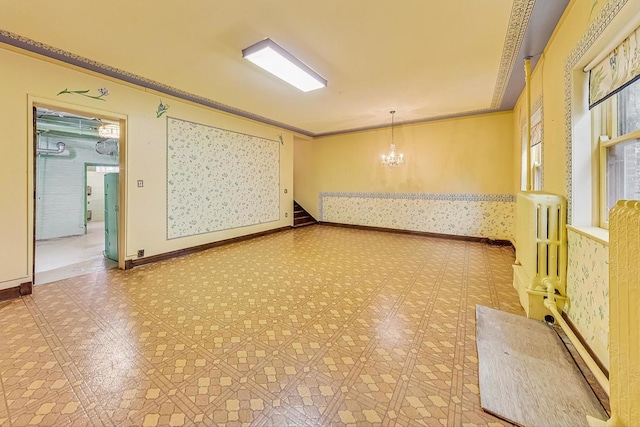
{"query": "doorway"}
pixel 72 158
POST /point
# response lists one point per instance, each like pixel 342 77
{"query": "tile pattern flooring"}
pixel 315 326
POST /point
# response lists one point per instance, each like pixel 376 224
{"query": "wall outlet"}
pixel 140 253
pixel 140 183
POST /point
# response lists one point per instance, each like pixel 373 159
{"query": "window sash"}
pixel 605 144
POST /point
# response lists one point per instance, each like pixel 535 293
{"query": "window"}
pixel 535 153
pixel 523 158
pixel 536 150
pixel 108 169
pixel 617 120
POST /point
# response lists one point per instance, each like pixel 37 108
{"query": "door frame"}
pixel 122 119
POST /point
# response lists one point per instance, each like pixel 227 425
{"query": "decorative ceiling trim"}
pixel 48 51
pixel 518 23
pixel 520 15
pixel 413 122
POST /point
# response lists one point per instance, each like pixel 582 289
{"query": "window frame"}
pixel 535 151
pixel 604 118
pixel 535 154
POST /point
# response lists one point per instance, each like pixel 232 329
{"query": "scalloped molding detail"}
pixel 470 113
pixel 48 51
pixel 601 21
pixel 518 22
pixel 427 196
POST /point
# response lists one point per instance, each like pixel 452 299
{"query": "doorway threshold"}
pixel 74 270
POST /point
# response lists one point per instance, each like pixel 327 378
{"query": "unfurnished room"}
pixel 352 213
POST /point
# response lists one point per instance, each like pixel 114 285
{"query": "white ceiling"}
pixel 425 59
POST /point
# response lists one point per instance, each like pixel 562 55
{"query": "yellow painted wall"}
pixel 548 80
pixel 24 77
pixel 582 20
pixel 470 155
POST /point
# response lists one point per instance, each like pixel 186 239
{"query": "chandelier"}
pixel 392 159
pixel 109 131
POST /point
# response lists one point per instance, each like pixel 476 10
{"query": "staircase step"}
pixel 301 217
pixel 304 224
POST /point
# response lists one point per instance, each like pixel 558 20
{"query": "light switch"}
pixel 140 183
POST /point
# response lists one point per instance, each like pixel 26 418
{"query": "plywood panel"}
pixel 527 376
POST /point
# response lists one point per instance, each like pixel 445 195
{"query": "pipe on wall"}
pixel 550 303
pixel 67 127
pixel 59 150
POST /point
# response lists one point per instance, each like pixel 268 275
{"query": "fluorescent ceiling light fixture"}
pixel 268 55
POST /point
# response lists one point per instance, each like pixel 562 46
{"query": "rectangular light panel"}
pixel 274 59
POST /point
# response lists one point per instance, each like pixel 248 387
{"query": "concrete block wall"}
pixel 60 185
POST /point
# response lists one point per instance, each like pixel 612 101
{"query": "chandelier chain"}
pixel 392 114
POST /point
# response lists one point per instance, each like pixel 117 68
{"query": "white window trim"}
pixel 605 143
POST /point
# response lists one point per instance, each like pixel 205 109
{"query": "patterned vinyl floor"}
pixel 315 326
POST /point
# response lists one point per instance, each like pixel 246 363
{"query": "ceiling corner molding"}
pixel 411 122
pixel 51 52
pixel 518 23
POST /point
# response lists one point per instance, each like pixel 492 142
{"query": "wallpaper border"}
pixel 518 22
pixel 167 175
pixel 52 52
pixel 452 197
pixel 516 29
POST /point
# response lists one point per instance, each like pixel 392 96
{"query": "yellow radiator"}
pixel 624 313
pixel 541 250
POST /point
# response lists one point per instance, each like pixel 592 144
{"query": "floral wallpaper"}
pixel 588 291
pixel 490 216
pixel 218 179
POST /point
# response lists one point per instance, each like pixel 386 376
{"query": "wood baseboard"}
pixel 131 263
pixel 494 242
pixel 577 333
pixel 16 291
